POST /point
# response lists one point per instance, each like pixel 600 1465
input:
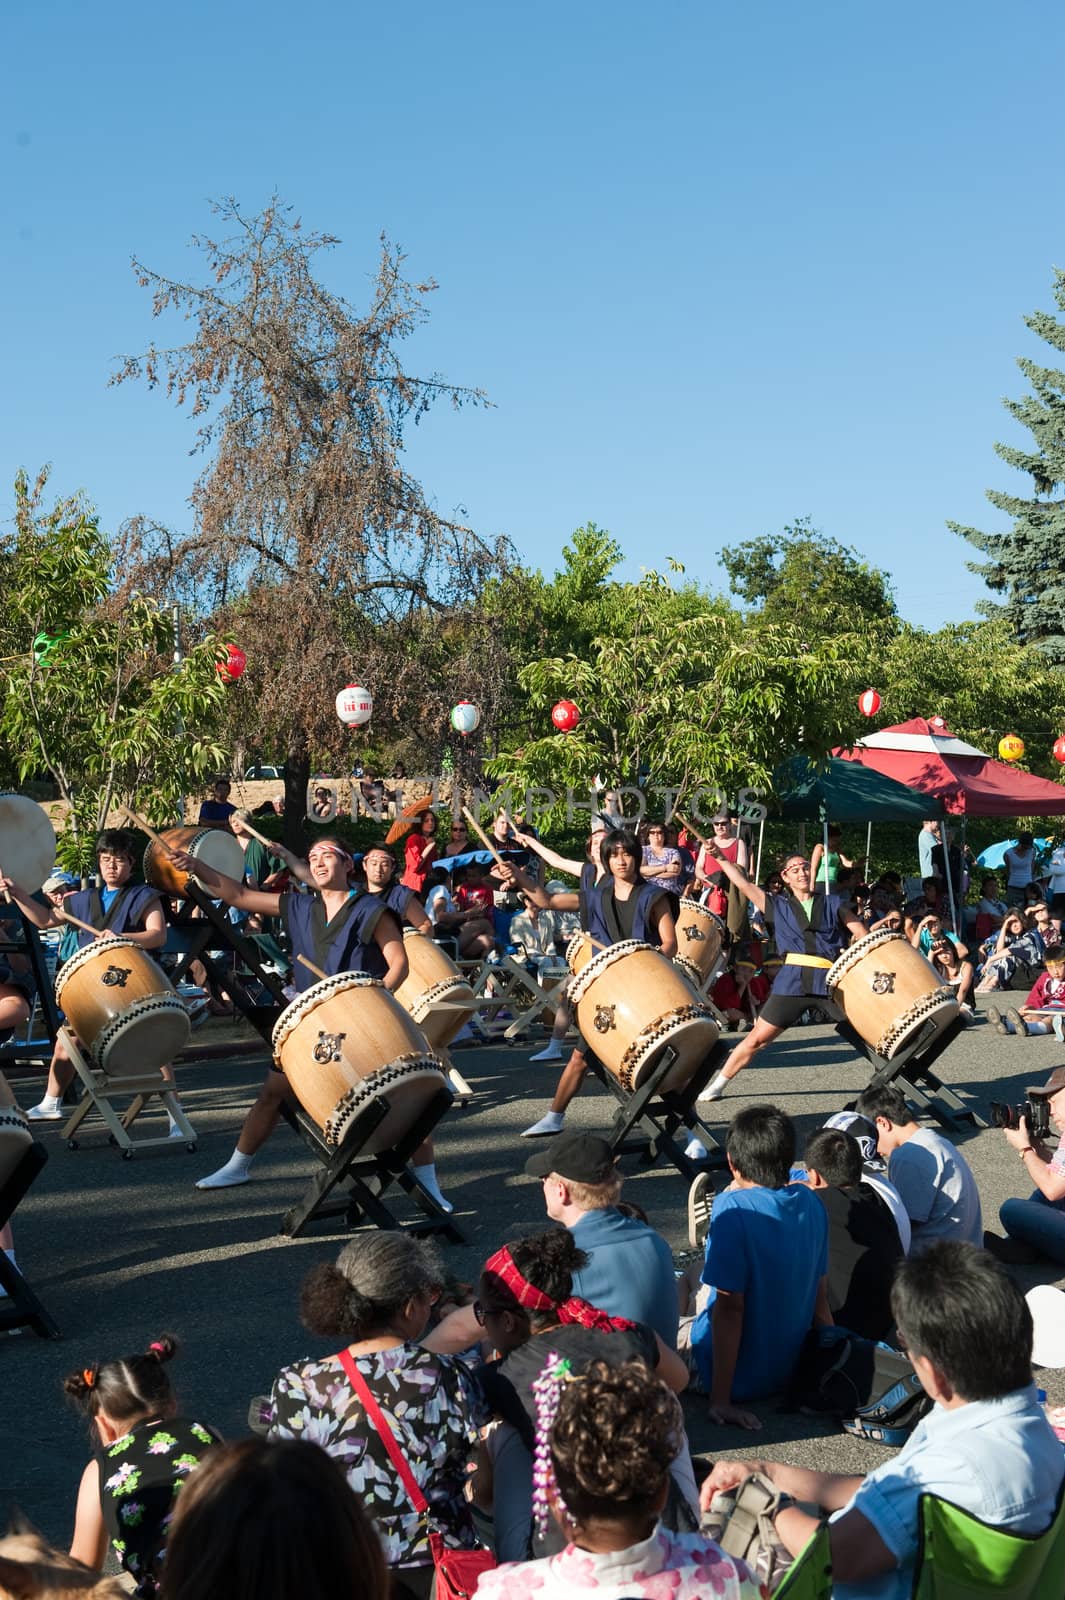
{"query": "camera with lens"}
pixel 1036 1114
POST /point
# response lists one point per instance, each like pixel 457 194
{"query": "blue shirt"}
pixel 997 1459
pixel 630 1273
pixel 771 1246
pixel 108 898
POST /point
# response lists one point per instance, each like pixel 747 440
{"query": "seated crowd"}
pixel 534 1417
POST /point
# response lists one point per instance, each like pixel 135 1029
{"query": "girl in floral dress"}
pixel 146 1451
pixel 604 1447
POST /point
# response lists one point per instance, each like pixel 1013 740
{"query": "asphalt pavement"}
pixel 120 1251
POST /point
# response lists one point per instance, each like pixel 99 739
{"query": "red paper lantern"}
pixel 233 666
pixel 869 703
pixel 565 716
pixel 1059 749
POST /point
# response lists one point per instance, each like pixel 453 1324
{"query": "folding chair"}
pixel 810 1575
pixel 500 984
pixel 962 1558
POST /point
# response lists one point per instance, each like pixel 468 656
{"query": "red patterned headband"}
pixel 502 1266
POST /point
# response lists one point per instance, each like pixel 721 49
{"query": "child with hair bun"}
pixel 145 1451
pixel 604 1447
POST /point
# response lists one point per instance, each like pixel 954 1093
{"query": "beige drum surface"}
pixel 347 1042
pixel 215 847
pixel 433 977
pixel 700 936
pixel 579 952
pixel 15 1135
pixel 630 1001
pixel 887 990
pixel 122 1007
pixel 27 841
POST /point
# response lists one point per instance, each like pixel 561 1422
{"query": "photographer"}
pixel 1039 1222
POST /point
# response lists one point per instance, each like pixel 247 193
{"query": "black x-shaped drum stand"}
pixel 366 1176
pixel 21 1307
pixel 911 1069
pixel 649 1121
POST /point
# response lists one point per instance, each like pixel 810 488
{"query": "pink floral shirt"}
pixel 667 1566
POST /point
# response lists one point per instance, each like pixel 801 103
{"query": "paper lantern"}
pixel 465 717
pixel 354 705
pixel 869 703
pixel 1010 748
pixel 1059 749
pixel 565 716
pixel 233 666
pixel 46 644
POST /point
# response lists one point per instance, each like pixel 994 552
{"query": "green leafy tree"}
pixel 678 691
pixel 92 698
pixel 1027 564
pixel 811 582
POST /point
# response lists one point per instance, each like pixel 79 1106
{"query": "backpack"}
pixel 870 1387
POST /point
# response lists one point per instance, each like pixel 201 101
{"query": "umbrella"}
pixel 993 857
pixel 406 819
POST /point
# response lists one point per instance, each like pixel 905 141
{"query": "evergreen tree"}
pixel 1027 564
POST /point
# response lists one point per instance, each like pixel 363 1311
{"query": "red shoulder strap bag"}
pixel 457 1571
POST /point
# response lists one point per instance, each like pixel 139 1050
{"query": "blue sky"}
pixel 717 266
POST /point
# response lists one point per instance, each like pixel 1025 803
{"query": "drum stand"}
pixel 100 1090
pixel 20 1308
pixel 367 1176
pixel 653 1130
pixel 911 1069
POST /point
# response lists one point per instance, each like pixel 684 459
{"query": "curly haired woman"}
pixel 609 1449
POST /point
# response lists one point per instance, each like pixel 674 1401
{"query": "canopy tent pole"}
pixel 824 847
pixel 868 851
pixel 950 884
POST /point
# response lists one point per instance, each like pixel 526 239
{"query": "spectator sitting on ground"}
pixel 986 1447
pixel 931 928
pixel 1047 994
pixel 1016 955
pixel 958 973
pixel 990 910
pixel 265 1521
pixel 874 1169
pixel 146 1453
pixel 537 930
pixel 1036 1227
pixel 764 1273
pixel 610 1446
pixel 863 1242
pixel 377 1298
pixel 933 1178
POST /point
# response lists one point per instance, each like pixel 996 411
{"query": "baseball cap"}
pixel 1055 1082
pixel 860 1129
pixel 582 1157
pixel 60 880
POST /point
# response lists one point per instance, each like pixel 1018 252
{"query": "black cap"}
pixel 582 1157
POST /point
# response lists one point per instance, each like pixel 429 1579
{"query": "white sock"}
pixel 236 1170
pixel 426 1176
pixel 550 1122
pixel 51 1102
pixel 715 1089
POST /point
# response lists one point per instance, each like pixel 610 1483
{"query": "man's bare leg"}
pixel 258 1125
pixel 568 1086
pixel 761 1034
pixel 60 1076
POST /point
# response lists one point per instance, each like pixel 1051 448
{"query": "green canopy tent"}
pixel 845 791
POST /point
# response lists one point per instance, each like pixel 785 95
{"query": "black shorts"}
pixel 781 1010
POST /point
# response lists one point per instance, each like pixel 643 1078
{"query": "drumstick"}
pixel 316 970
pixel 76 922
pixel 691 830
pixel 146 827
pixel 485 840
pixel 7 894
pixel 269 843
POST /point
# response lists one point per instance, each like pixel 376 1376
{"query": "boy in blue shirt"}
pixel 765 1272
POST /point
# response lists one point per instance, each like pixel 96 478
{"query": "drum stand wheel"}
pixel 911 1069
pixel 654 1124
pixel 100 1091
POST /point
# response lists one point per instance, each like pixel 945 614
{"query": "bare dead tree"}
pixel 306 523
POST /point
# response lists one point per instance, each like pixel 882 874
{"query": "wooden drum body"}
pixel 887 991
pixel 27 841
pixel 122 1007
pixel 347 1042
pixel 700 937
pixel 579 952
pixel 433 977
pixel 630 1001
pixel 215 847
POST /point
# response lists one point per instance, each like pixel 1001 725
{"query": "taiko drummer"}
pixel 120 909
pixel 811 931
pixel 340 929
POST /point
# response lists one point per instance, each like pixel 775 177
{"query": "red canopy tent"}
pixel 925 755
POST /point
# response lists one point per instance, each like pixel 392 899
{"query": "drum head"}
pixel 219 849
pixel 27 841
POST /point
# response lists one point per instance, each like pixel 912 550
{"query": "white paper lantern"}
pixel 354 705
pixel 465 717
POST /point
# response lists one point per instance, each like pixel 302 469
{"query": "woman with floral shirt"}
pixel 378 1298
pixel 147 1451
